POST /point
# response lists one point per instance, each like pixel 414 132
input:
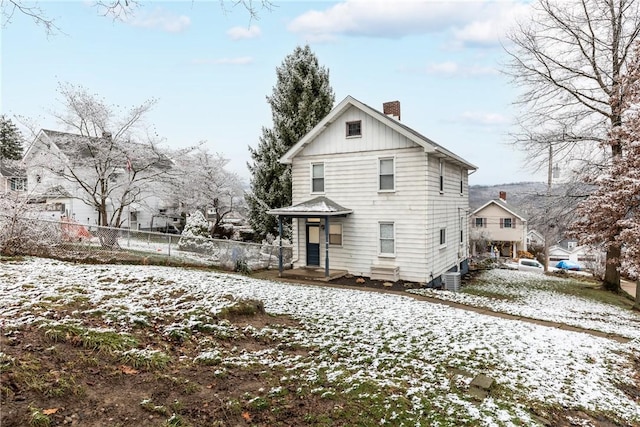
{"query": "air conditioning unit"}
pixel 452 281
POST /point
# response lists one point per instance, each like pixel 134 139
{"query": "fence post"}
pixel 169 250
pixel 280 266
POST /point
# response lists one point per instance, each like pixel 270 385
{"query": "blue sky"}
pixel 211 69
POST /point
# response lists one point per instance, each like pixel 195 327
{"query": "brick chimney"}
pixel 503 196
pixel 392 109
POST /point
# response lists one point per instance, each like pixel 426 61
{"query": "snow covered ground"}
pixel 540 298
pixel 420 351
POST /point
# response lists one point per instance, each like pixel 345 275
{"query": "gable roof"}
pixel 504 205
pixel 11 171
pixel 319 206
pixel 428 145
pixel 75 146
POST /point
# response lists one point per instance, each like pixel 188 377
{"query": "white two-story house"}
pixel 375 198
pixel 498 228
pixel 48 164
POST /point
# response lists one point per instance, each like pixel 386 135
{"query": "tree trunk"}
pixel 612 270
pixel 636 306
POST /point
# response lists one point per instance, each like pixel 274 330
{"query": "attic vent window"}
pixel 354 128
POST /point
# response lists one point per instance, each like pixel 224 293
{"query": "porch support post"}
pixel 326 246
pixel 280 266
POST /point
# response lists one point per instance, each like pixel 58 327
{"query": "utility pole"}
pixel 548 225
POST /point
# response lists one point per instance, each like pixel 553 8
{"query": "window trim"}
pixel 387 190
pixel 483 222
pixel 312 178
pixel 462 181
pixel 386 254
pixel 441 179
pixel 337 224
pixel 352 122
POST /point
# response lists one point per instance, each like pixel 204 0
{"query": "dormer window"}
pixel 354 128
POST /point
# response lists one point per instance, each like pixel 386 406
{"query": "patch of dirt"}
pixel 75 386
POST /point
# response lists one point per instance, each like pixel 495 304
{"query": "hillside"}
pixel 522 195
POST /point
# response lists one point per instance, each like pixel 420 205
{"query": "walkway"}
pixel 629 287
pixel 273 275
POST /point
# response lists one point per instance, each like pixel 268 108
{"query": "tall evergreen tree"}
pixel 10 140
pixel 301 98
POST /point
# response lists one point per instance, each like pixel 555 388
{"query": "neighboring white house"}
pixel 496 225
pixel 56 197
pixel 534 238
pixel 375 198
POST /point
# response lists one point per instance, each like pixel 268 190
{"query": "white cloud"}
pixel 160 19
pixel 492 29
pixel 482 118
pixel 241 60
pixel 453 69
pixel 468 22
pixel 240 33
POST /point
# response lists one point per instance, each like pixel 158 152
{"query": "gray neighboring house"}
pixel 13 178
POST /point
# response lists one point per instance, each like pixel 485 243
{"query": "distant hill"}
pixel 529 198
pixel 522 195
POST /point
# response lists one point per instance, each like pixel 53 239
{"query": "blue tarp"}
pixel 569 265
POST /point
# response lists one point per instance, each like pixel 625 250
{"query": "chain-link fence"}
pixel 71 240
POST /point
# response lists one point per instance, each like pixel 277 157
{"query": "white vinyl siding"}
pixel 352 179
pixel 444 211
pixel 376 137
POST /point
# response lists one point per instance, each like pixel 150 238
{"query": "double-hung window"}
pixel 387 238
pixel 317 178
pixel 443 236
pixel 335 234
pixel 18 184
pixel 480 222
pixel 386 177
pixel 506 223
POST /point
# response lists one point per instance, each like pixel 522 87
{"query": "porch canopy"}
pixel 319 207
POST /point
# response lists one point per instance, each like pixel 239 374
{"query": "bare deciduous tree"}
pixel 206 185
pixel 612 213
pixel 110 158
pixel 568 60
pixel 116 9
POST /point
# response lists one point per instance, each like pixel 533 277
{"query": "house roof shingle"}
pixel 317 207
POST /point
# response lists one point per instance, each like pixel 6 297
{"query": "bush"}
pixel 525 254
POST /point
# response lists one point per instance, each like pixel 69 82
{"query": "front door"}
pixel 313 244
